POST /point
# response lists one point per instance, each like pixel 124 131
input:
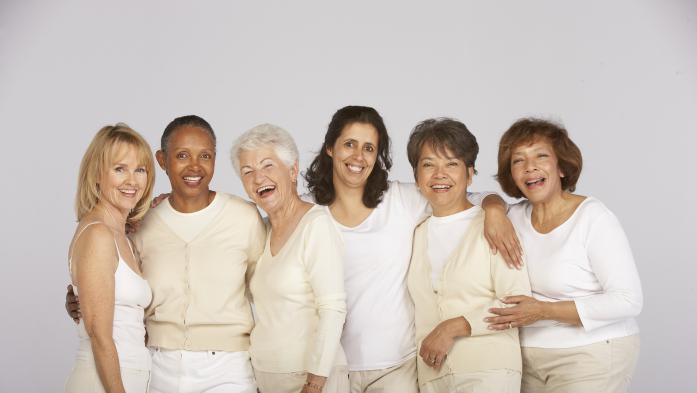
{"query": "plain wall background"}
pixel 621 76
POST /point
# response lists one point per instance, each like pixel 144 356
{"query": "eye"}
pixel 542 155
pixel 369 148
pixel 246 172
pixel 182 155
pixel 206 156
pixel 516 161
pixel 349 144
pixel 118 169
pixel 141 170
pixel 453 163
pixel 426 165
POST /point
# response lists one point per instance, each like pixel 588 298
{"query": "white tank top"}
pixel 132 295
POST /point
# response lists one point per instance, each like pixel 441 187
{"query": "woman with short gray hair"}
pixel 297 285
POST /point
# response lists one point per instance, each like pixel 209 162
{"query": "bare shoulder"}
pixel 95 247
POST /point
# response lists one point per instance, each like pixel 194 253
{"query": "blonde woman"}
pixel 114 187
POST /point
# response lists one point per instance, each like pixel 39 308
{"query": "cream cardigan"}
pixel 198 288
pixel 473 281
pixel 300 300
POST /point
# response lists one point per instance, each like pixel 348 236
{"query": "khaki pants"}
pixel 293 382
pixel 398 379
pixel 606 366
pixel 84 379
pixel 489 381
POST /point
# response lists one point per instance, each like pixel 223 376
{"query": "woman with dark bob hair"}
pixel 454 277
pixel 578 332
pixel 377 218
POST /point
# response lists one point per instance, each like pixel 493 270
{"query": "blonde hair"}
pixel 100 156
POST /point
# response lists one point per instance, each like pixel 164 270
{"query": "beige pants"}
pixel 606 366
pixel 489 381
pixel 84 379
pixel 293 382
pixel 398 379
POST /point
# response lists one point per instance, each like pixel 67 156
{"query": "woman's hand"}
pixel 527 310
pixel 72 305
pixel 314 384
pixel 435 347
pixel 158 199
pixel 500 234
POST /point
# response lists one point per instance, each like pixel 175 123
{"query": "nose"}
pixel 529 166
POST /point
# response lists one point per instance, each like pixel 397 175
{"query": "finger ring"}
pixel 510 325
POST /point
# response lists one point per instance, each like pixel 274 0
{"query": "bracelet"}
pixel 313 386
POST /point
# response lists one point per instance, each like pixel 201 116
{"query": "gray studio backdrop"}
pixel 621 75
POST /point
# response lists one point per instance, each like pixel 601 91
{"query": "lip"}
pixel 536 182
pixel 128 192
pixel 192 180
pixel 355 169
pixel 440 187
pixel 266 190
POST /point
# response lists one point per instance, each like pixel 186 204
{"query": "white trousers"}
pixel 201 372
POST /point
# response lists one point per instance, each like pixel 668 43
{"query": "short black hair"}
pixel 189 120
pixel 442 133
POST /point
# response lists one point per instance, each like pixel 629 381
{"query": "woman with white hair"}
pixel 297 284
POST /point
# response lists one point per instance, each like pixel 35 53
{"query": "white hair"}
pixel 265 135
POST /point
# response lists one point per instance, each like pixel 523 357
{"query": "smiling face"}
pixel 124 181
pixel 268 181
pixel 443 179
pixel 189 161
pixel 354 154
pixel 535 170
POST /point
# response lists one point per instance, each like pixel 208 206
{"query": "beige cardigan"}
pixel 198 288
pixel 473 280
pixel 300 300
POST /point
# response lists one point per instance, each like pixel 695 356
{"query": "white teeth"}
pixel 440 187
pixel 192 178
pixel 128 191
pixel 265 188
pixel 535 181
pixel 354 168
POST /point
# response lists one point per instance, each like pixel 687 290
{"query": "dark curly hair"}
pixel 319 174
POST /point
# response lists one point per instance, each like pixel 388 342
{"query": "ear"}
pixel 160 157
pixel 294 172
pixel 470 175
pixel 329 151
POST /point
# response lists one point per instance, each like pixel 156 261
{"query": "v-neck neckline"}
pixel 292 236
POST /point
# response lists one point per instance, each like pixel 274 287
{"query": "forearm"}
pixel 564 312
pixel 106 359
pixel 493 202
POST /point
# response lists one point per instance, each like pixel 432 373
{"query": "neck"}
pixel 550 209
pixel 347 197
pixel 114 216
pixel 191 204
pixel 285 213
pixel 443 211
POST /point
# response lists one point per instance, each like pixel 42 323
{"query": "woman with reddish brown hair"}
pixel 578 332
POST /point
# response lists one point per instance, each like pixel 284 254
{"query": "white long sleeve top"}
pixel 587 259
pixel 300 300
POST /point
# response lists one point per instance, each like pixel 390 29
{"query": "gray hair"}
pixel 265 135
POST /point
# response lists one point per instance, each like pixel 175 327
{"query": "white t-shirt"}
pixel 444 236
pixel 586 259
pixel 188 225
pixel 379 329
